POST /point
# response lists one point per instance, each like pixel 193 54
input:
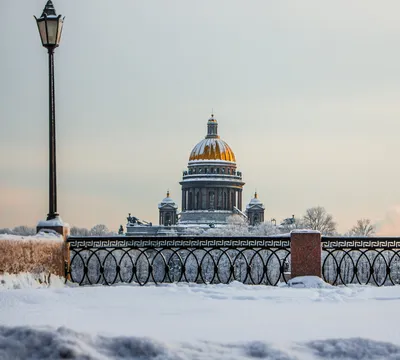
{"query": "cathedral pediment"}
pixel 167 207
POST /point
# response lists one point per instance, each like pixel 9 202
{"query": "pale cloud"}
pixel 390 224
pixel 21 206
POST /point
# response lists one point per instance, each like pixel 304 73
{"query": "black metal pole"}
pixel 52 142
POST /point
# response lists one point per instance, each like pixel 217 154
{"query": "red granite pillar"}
pixel 57 226
pixel 306 253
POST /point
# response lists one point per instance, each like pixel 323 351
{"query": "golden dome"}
pixel 212 147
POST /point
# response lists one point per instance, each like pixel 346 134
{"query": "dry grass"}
pixel 33 256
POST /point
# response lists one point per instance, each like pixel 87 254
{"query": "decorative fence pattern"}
pixel 110 260
pixel 361 260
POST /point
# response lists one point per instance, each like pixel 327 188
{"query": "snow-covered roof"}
pixel 255 201
pixel 53 222
pixel 167 201
pixel 216 177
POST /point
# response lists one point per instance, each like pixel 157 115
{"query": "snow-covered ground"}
pixel 40 236
pixel 187 321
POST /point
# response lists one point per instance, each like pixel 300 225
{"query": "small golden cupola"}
pixel 212 147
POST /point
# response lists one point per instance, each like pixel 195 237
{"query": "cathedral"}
pixel 212 190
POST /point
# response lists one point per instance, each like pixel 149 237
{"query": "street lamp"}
pixel 50 28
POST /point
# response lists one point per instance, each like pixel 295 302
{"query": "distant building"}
pixel 212 189
pixel 211 186
pixel 255 211
pixel 168 211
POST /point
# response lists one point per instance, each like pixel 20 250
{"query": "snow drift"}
pixel 28 281
pixel 62 343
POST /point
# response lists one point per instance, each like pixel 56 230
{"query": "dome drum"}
pixel 211 171
pixel 211 198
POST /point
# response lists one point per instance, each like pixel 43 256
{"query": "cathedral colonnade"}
pixel 211 198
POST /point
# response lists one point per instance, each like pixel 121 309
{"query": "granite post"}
pixel 57 226
pixel 306 253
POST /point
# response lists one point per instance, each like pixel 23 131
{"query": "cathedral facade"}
pixel 211 186
pixel 212 189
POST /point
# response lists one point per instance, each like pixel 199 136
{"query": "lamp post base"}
pixel 54 225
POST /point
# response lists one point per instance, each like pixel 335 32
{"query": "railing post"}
pixel 306 253
pixel 58 226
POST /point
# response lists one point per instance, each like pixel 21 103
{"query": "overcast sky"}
pixel 305 93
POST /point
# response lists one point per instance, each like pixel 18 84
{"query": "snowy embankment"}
pixel 187 321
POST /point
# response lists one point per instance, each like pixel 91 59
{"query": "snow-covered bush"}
pixel 264 229
pixel 194 230
pixel 43 253
pixel 237 226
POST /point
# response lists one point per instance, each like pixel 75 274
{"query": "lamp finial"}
pixel 49 10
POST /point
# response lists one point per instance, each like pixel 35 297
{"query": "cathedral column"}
pixel 183 200
pixel 225 199
pixel 200 204
pixel 190 193
pixel 186 199
pixel 240 200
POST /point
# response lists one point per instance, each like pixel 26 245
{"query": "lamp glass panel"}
pixel 60 25
pixel 42 31
pixel 52 31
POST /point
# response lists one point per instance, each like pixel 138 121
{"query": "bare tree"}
pixel 289 224
pixel 6 231
pixel 77 231
pixel 99 230
pixel 362 228
pixel 265 229
pixel 316 218
pixel 24 230
pixel 236 226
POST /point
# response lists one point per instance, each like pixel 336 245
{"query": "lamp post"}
pixel 50 28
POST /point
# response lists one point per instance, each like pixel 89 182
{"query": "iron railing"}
pixel 361 260
pixel 110 260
